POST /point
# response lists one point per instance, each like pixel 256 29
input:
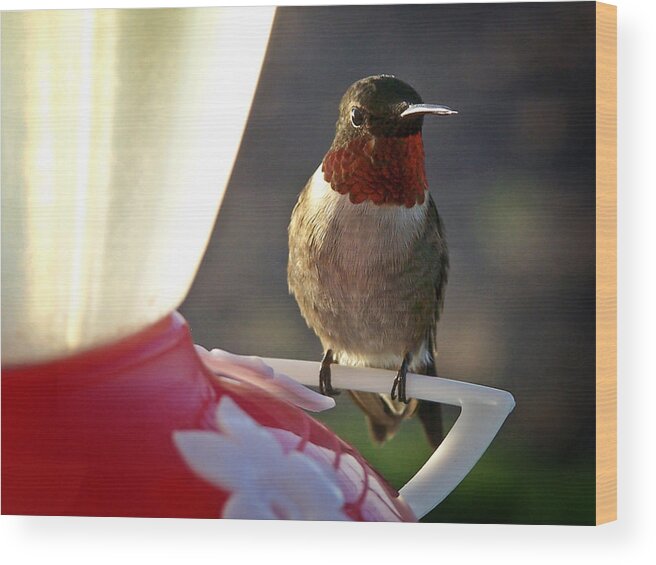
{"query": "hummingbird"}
pixel 368 259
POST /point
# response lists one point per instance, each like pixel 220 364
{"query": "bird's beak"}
pixel 421 109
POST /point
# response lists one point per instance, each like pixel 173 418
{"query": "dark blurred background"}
pixel 513 176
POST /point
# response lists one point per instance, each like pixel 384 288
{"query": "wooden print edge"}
pixel 606 261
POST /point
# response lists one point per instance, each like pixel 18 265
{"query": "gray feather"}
pixel 369 280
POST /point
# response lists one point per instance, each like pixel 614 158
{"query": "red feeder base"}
pixel 91 435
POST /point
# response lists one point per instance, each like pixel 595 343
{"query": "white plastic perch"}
pixel 483 412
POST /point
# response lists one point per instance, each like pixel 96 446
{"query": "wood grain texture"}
pixel 606 327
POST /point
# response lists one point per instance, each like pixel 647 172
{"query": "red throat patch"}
pixel 385 170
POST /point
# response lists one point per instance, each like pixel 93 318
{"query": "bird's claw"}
pixel 325 386
pixel 398 387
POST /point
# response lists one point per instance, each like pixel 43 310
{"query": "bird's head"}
pixel 378 153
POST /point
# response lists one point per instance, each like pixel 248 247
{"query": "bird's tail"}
pixel 384 415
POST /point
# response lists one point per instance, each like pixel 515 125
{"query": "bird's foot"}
pixel 398 387
pixel 325 387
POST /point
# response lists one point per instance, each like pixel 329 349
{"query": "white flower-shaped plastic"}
pixel 364 493
pixel 266 477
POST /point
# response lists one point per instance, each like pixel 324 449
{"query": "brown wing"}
pixel 436 236
pixel 430 413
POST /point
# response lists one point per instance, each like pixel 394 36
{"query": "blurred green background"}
pixel 513 176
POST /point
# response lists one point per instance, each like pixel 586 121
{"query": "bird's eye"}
pixel 357 117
